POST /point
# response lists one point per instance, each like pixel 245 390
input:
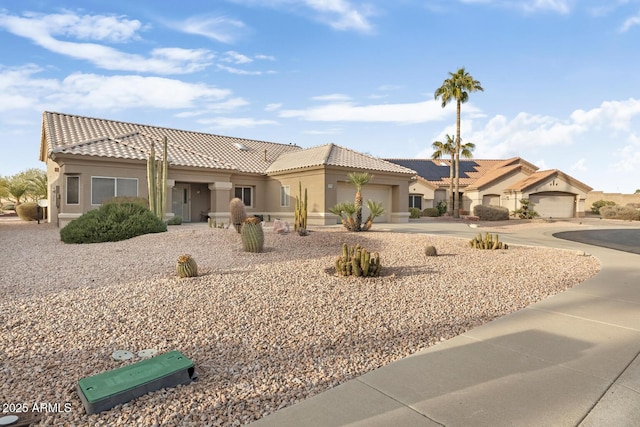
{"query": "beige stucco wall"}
pixel 474 197
pixel 427 192
pixel 312 180
pixel 618 198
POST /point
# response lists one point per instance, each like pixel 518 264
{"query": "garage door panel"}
pixel 378 193
pixel 553 205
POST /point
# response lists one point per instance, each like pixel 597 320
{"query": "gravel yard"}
pixel 263 330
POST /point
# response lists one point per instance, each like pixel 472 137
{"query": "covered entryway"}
pixel 379 193
pixel 180 201
pixel 553 204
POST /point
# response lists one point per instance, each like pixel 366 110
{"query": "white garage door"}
pixel 554 205
pixel 378 193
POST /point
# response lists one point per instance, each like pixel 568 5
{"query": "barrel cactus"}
pixel 186 266
pixel 252 236
pixel 238 213
pixel 357 261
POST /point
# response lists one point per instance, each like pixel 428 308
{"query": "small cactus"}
pixel 186 266
pixel 252 236
pixel 487 242
pixel 357 261
pixel 430 251
pixel 238 213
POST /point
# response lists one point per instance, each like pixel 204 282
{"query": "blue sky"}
pixel 561 77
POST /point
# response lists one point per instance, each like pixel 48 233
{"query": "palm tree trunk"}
pixel 456 202
pixel 451 166
pixel 358 203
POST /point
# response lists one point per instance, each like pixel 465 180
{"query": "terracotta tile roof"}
pixel 71 134
pixel 540 176
pixel 334 155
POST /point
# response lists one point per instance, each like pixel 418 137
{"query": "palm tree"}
pixel 457 86
pixel 375 210
pixel 359 179
pixel 442 149
pixel 449 147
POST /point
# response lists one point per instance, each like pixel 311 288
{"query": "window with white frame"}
pixel 284 196
pixel 245 194
pixel 415 201
pixel 73 190
pixel 104 188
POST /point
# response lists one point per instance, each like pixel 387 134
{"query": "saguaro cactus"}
pixel 157 171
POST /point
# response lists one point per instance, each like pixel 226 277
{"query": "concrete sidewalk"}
pixel 569 360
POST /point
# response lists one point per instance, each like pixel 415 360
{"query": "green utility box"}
pixel 108 389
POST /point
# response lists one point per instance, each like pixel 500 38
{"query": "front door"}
pixel 181 201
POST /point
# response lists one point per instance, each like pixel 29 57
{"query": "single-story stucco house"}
pixel 90 160
pixel 552 193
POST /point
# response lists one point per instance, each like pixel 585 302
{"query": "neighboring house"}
pixel 499 183
pixel 90 160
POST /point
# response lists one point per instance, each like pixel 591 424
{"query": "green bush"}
pixel 595 206
pixel 442 207
pixel 620 212
pixel 414 213
pixel 491 213
pixel 128 199
pixel 431 212
pixel 112 222
pixel 176 220
pixel 27 211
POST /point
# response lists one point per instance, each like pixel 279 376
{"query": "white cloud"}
pixel 218 28
pixel 235 122
pixel 265 57
pixel 273 107
pixel 630 22
pixel 629 155
pixel 40 30
pixel 419 112
pixel 580 165
pixel 541 164
pixel 234 70
pixel 336 97
pixel 559 6
pixel 235 58
pixel 338 14
pixel 22 89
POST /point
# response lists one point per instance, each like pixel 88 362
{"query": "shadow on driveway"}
pixel 627 240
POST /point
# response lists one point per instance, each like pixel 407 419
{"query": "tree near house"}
pixel 449 148
pixel 359 179
pixel 457 87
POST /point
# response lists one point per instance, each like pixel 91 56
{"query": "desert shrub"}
pixel 595 206
pixel 128 199
pixel 430 250
pixel 176 220
pixel 442 207
pixel 431 212
pixel 491 213
pixel 27 211
pixel 620 212
pixel 414 213
pixel 526 210
pixel 112 222
pixel 633 205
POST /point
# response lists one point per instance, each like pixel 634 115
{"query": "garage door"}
pixel 555 205
pixel 378 193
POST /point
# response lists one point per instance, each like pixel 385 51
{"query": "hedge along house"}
pixel 552 193
pixel 90 160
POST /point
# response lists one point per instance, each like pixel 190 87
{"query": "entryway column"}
pixel 168 203
pixel 220 197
